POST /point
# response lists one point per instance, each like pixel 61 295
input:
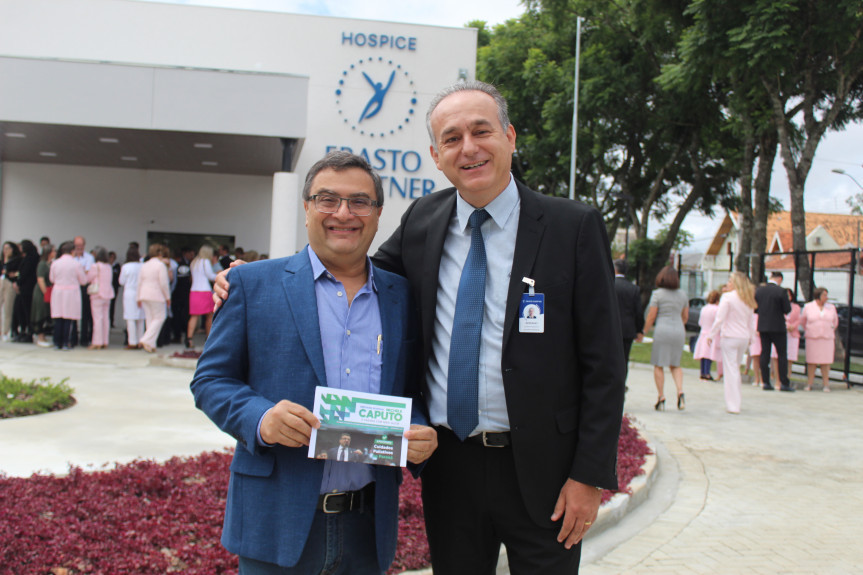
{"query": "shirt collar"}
pixel 318 269
pixel 500 209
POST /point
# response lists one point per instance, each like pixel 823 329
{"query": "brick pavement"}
pixel 777 489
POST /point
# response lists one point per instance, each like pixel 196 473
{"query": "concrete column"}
pixel 284 214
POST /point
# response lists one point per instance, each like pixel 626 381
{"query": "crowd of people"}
pixel 739 321
pixel 64 296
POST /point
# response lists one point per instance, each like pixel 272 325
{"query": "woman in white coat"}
pixel 133 314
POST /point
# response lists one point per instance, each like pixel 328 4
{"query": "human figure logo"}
pixel 376 97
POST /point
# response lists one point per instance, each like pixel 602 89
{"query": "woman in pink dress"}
pixel 201 294
pixel 100 275
pixel 67 276
pixel 819 322
pixel 154 295
pixel 734 324
pixel 707 353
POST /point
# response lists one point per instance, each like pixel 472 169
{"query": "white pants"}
pixel 155 312
pixel 732 349
pixel 135 330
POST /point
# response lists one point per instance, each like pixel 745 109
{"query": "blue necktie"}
pixel 463 374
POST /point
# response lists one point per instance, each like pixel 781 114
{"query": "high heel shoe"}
pixel 681 402
pixel 190 343
pixel 660 405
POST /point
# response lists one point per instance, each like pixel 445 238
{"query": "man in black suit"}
pixel 773 305
pixel 548 402
pixel 629 307
pixel 343 451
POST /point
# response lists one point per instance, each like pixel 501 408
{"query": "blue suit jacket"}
pixel 265 346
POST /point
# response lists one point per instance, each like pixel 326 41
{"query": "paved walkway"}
pixel 776 489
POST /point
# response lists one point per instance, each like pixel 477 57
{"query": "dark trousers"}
pixel 472 504
pixel 705 366
pixel 180 311
pixel 86 334
pixel 780 340
pixel 63 332
pixel 111 311
pixel 627 347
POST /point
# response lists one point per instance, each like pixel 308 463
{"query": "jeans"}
pixel 338 544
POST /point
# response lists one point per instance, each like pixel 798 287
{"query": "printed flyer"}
pixel 360 427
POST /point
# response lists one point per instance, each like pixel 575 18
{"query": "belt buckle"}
pixel 326 499
pixel 485 442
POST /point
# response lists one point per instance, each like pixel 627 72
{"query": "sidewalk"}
pixel 776 489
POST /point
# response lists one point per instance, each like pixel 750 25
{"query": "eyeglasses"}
pixel 329 204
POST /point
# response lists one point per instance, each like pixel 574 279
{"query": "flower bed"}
pixel 145 517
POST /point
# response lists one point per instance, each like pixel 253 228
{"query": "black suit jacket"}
pixel 564 387
pixel 773 305
pixel 629 307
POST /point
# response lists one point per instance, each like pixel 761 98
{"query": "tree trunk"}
pixel 744 244
pixel 766 157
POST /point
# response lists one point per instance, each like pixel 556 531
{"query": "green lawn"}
pixel 641 354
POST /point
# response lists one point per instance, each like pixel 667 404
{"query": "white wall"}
pixel 113 206
pixel 226 39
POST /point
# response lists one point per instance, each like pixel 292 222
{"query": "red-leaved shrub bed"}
pixel 146 517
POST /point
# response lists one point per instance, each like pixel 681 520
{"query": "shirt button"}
pixel 348 371
pixel 338 293
pixel 349 332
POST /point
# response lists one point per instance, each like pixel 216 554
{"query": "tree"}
pixel 644 152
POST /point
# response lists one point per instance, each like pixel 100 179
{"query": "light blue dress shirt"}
pixel 349 336
pixel 499 233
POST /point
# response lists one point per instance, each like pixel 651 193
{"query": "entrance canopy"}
pixel 145 117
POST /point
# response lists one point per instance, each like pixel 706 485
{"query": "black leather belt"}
pixel 347 500
pixel 491 439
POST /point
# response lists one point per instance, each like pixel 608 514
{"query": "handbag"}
pixel 47 295
pixel 93 288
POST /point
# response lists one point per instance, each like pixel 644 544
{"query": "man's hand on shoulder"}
pixel 221 285
pixel 422 441
pixel 288 423
pixel 578 505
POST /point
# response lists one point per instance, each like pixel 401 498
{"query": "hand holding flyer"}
pixel 360 427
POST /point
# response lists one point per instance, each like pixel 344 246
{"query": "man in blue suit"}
pixel 312 319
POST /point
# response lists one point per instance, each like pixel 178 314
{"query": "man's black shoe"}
pixel 786 388
pixel 767 387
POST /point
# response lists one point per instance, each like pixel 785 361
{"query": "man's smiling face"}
pixel 341 239
pixel 471 147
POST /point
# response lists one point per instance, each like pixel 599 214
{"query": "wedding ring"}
pixel 588 522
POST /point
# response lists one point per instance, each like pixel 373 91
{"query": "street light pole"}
pixel 844 173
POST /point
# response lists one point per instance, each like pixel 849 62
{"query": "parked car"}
pixel 695 305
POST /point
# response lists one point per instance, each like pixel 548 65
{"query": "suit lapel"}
pixel 527 242
pixel 437 224
pixel 389 302
pixel 299 285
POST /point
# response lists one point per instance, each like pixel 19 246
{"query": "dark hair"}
pixel 790 293
pixel 100 254
pixel 29 249
pixel 338 161
pixel 44 239
pixel 668 278
pixel 620 267
pixel 132 254
pixel 713 297
pixel 776 275
pixel 66 247
pixel 816 293
pixel 469 86
pixel 16 251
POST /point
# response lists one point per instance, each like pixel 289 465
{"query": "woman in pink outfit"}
pixel 792 322
pixel 819 322
pixel 100 275
pixel 67 276
pixel 734 324
pixel 154 295
pixel 707 353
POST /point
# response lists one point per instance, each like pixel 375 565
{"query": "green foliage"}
pixel 19 398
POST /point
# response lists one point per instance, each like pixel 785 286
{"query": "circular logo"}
pixel 376 97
